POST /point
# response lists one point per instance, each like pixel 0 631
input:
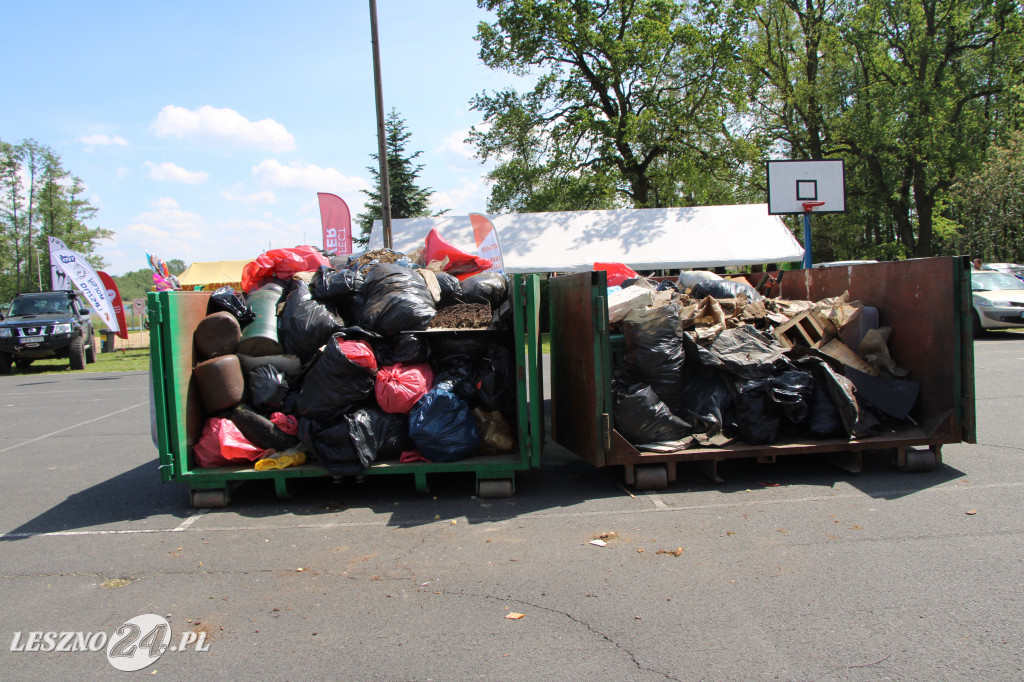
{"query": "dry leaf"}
pixel 674 552
pixel 971 512
pixel 607 536
pixel 514 616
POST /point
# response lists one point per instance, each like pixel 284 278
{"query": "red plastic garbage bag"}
pixel 222 444
pixel 285 422
pixel 400 386
pixel 281 263
pixel 460 263
pixel 359 352
pixel 617 272
pixel 410 456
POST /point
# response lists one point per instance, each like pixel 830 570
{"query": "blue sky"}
pixel 203 130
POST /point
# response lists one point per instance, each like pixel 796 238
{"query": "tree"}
pixel 629 108
pixel 408 200
pixel 910 92
pixel 990 206
pixel 39 199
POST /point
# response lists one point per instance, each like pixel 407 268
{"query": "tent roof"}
pixel 643 238
pixel 213 272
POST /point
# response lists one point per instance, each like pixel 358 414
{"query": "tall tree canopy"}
pixel 39 198
pixel 629 107
pixel 408 199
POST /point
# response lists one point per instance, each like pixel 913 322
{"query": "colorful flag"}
pixel 114 296
pixel 487 244
pixel 336 220
pixel 75 269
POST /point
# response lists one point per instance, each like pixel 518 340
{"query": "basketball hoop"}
pixel 810 205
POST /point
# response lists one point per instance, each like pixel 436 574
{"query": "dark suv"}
pixel 48 324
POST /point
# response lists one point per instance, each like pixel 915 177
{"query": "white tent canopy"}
pixel 642 238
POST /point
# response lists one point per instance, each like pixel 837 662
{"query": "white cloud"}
pixel 102 140
pixel 172 173
pixel 470 197
pixel 226 125
pixel 272 173
pixel 455 144
pixel 164 202
pixel 265 197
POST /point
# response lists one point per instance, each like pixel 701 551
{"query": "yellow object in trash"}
pixel 282 460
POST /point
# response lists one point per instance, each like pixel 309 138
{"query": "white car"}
pixel 998 301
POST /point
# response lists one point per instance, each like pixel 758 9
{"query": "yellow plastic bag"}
pixel 282 460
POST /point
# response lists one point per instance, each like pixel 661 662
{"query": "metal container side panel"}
pixel 921 300
pixel 530 414
pixel 580 364
pixel 181 313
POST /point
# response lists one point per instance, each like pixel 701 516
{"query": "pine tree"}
pixel 408 200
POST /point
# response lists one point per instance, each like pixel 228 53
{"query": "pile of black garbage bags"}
pixel 340 364
pixel 740 384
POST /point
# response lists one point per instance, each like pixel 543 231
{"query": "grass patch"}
pixel 128 360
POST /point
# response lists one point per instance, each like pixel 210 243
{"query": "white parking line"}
pixel 68 428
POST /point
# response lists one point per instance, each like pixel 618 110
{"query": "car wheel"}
pixel 976 327
pixel 5 363
pixel 76 353
pixel 24 363
pixel 93 352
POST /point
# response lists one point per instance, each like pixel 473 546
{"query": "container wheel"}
pixel 651 477
pixel 209 499
pixel 24 363
pixel 93 352
pixel 919 461
pixel 76 353
pixel 495 488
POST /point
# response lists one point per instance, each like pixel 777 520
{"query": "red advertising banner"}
pixel 337 223
pixel 114 296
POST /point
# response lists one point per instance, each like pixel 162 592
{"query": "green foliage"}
pixel 39 198
pixel 629 106
pixel 408 200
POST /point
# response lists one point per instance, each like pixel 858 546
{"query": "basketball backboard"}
pixel 791 184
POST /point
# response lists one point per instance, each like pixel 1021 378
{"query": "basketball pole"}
pixel 808 207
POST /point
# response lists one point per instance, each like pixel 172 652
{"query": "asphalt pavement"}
pixel 794 570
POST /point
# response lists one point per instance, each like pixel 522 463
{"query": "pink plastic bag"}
pixel 281 263
pixel 222 444
pixel 410 456
pixel 460 263
pixel 399 386
pixel 617 272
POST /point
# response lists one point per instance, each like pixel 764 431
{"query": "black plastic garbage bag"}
pixel 823 418
pixel 706 399
pixel 305 324
pixel 339 287
pixel 494 385
pixel 745 353
pixel 228 300
pixel 266 387
pixel 395 299
pixel 457 379
pixel 335 384
pixel 408 349
pixel 755 415
pixel 259 430
pixel 335 446
pixel 443 427
pixel 392 432
pixel 451 289
pixel 723 288
pixel 486 287
pixel 642 418
pixel 894 397
pixel 790 392
pixel 654 353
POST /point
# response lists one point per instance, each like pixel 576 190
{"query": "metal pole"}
pixel 385 185
pixel 807 240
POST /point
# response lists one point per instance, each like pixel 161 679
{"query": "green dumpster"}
pixel 174 316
